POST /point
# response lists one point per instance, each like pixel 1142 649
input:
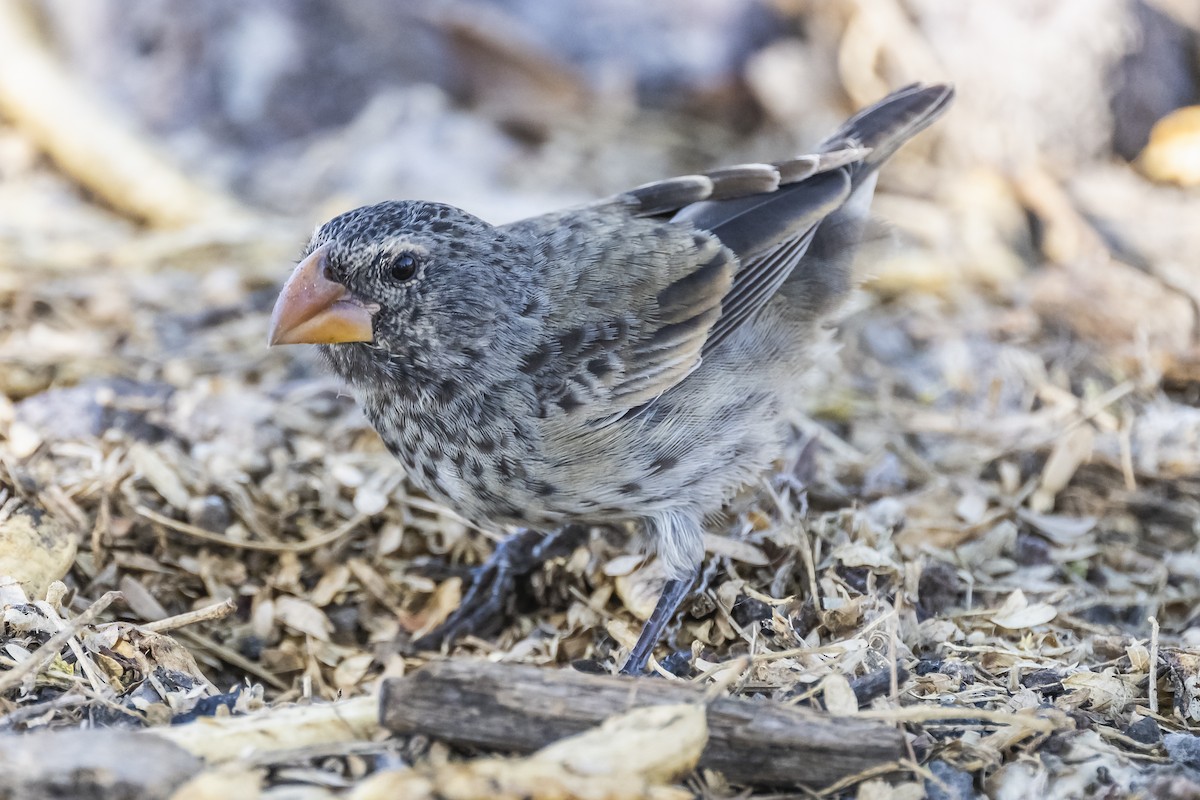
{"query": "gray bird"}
pixel 631 360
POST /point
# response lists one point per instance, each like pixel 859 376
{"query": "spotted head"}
pixel 402 287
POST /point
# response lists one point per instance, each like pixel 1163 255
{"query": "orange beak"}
pixel 312 309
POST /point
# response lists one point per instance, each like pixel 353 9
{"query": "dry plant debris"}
pixel 517 707
pixel 628 757
pixel 987 537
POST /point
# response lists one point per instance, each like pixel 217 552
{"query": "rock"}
pixel 35 549
pixel 952 783
pixel 1183 748
pixel 92 765
pixel 1145 730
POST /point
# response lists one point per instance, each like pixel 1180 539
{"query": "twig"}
pixel 89 142
pixel 22 713
pixel 234 658
pixel 521 708
pixel 733 672
pixel 1152 689
pixel 1125 442
pixel 219 739
pixel 211 612
pixel 850 780
pixel 262 547
pixel 930 714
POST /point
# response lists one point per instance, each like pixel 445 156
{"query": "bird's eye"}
pixel 403 268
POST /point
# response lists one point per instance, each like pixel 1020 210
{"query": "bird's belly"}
pixel 498 473
pixel 674 459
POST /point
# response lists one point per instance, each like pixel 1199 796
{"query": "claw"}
pixel 483 608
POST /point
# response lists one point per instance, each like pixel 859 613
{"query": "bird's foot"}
pixel 674 593
pixel 484 607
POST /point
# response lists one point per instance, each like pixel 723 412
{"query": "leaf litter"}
pixel 986 535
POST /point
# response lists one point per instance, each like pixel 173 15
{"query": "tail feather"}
pixel 891 122
pixel 823 275
pixel 795 225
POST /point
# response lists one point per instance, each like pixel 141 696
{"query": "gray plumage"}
pixel 635 359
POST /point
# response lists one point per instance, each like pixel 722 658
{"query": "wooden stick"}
pixel 89 142
pixel 521 708
pixel 629 757
pixel 206 614
pixel 221 739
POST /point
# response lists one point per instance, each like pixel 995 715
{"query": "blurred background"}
pixel 297 110
pixel 148 134
pixel 1024 351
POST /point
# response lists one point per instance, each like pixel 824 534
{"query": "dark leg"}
pixel 672 597
pixel 492 582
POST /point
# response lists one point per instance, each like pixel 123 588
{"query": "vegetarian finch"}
pixel 631 360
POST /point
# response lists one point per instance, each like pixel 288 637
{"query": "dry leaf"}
pixel 628 757
pixel 860 555
pixel 879 789
pixel 35 549
pixel 302 616
pixel 1183 668
pixel 639 590
pixel 840 699
pixel 23 440
pixel 1173 152
pixel 1139 657
pixel 842 615
pixel 971 507
pixel 623 564
pixel 369 501
pixel 735 549
pixel 1018 614
pixel 350 671
pixel 444 601
pixel 1061 530
pixel 160 475
pixel 1100 691
pixel 333 582
pixel 222 783
pixel 657 743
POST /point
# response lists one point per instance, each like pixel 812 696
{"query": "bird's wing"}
pixel 770 226
pixel 651 279
pixel 627 306
pixel 640 297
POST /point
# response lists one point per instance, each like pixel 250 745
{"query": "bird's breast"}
pixel 477 454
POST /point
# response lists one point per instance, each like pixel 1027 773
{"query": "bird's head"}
pixel 402 287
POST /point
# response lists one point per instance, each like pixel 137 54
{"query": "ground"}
pixel 986 536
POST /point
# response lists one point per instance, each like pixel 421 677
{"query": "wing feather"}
pixel 663 273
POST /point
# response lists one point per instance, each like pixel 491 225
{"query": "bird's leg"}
pixel 493 582
pixel 674 592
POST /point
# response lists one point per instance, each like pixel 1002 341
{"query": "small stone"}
pixel 748 610
pixel 1183 748
pixel 952 783
pixel 1145 730
pixel 210 512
